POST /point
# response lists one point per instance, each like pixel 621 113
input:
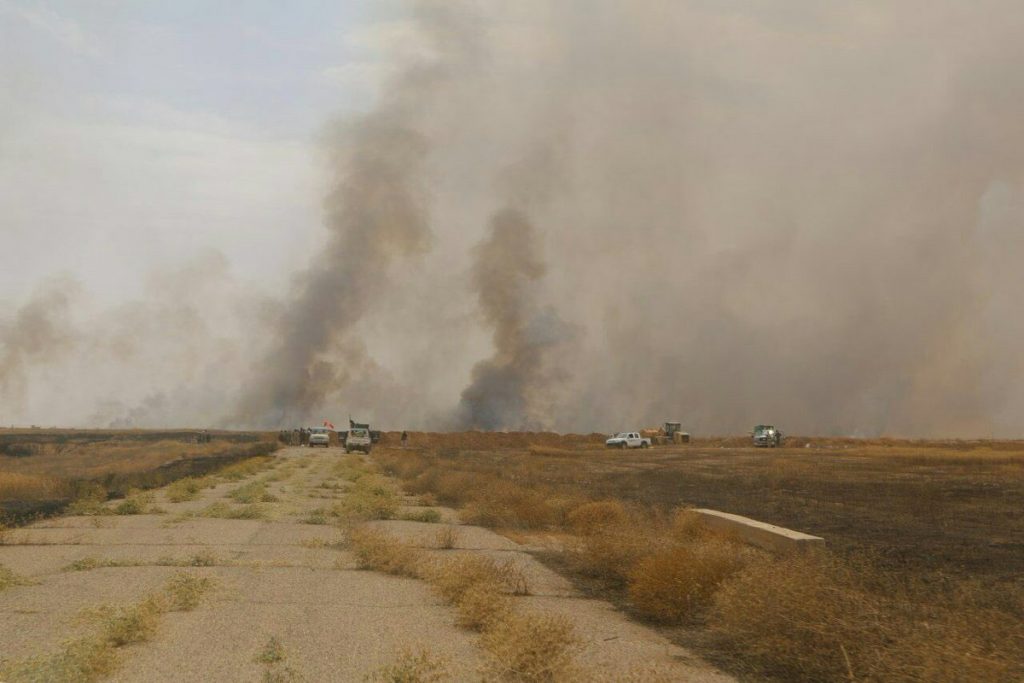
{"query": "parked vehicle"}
pixel 319 436
pixel 767 436
pixel 358 440
pixel 628 440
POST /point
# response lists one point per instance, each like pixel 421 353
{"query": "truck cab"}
pixel 767 436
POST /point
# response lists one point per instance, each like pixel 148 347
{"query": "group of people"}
pixel 295 437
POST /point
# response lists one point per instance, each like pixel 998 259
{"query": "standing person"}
pixel 405 438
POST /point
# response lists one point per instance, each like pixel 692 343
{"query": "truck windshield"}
pixel 358 432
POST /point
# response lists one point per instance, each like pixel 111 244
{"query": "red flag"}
pixel 328 424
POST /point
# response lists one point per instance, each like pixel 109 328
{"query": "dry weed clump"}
pixel 94 657
pixel 481 606
pixel 183 490
pixel 184 591
pixel 412 667
pixel 317 516
pixel 221 510
pixel 89 500
pixel 446 538
pixel 273 656
pixel 496 503
pixel 677 583
pixel 371 497
pixel 530 648
pixel 253 492
pixel 377 550
pixel 594 517
pixel 610 554
pixel 453 577
pixel 425 516
pixel 9 579
pixel 136 503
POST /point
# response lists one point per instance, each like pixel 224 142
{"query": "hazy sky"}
pixel 136 133
pixel 568 214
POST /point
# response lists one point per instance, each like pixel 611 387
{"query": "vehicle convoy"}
pixel 767 436
pixel 358 439
pixel 628 440
pixel 319 436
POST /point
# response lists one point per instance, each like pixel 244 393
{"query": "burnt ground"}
pixel 927 511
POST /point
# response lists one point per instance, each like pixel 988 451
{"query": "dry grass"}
pixel 8 579
pixel 412 667
pixel 317 516
pixel 595 517
pixel 446 538
pixel 273 656
pixel 425 516
pixel 136 503
pixel 200 559
pixel 15 486
pixel 94 657
pixel 453 577
pixel 245 468
pixel 77 478
pixel 103 459
pixel 184 591
pixel 943 604
pixel 481 606
pixel 371 497
pixel 272 652
pixel 530 648
pixel 221 510
pixel 678 583
pixel 187 489
pixel 377 550
pixel 253 492
pixel 815 617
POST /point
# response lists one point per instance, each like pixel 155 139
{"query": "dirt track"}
pixel 281 578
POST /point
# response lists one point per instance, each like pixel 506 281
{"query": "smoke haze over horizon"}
pixel 573 215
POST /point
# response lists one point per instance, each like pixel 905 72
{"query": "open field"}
pixel 922 579
pixel 526 557
pixel 44 470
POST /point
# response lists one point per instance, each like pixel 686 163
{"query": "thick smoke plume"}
pixel 377 213
pixel 506 388
pixel 803 213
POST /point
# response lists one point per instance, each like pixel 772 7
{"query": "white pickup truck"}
pixel 358 440
pixel 628 440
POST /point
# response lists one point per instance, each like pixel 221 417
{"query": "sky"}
pixel 134 134
pixel 581 215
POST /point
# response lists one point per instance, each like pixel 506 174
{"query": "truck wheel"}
pixel 622 445
pixel 645 445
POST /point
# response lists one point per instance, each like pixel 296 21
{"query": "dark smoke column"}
pixel 505 388
pixel 376 213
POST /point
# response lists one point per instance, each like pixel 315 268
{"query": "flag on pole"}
pixel 328 424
